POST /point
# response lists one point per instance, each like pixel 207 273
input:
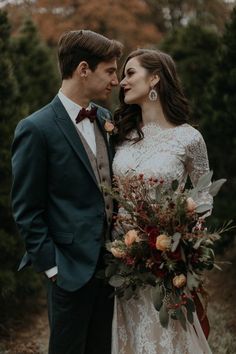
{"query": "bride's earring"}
pixel 152 95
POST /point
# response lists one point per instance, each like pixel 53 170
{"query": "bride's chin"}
pixel 129 101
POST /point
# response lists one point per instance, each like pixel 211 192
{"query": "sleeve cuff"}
pixel 51 272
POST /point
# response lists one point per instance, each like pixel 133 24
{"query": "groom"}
pixel 60 157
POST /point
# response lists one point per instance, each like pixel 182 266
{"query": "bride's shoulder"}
pixel 189 133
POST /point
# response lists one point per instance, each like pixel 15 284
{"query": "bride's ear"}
pixel 154 80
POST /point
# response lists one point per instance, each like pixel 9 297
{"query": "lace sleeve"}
pixel 197 165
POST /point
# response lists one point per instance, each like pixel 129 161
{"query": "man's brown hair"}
pixel 85 45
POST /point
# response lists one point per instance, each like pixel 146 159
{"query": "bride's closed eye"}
pixel 129 73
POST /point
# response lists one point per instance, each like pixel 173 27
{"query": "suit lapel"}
pixel 66 125
pixel 101 121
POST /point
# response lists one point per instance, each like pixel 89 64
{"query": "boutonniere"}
pixel 109 126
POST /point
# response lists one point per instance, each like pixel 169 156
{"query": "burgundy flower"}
pixel 152 232
pixel 160 273
pixel 129 260
pixel 176 255
pixel 195 257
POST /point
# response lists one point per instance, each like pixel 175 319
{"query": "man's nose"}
pixel 115 81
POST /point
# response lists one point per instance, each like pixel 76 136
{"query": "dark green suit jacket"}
pixel 57 203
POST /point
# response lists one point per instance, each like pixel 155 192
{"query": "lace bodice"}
pixel 164 153
pixel 168 154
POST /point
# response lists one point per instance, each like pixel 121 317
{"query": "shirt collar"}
pixel 71 107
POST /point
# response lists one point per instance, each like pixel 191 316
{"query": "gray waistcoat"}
pixel 100 165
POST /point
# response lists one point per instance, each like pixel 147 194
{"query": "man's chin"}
pixel 103 97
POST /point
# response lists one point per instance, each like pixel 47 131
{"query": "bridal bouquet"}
pixel 161 240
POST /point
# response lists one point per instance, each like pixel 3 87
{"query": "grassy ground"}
pixel 31 337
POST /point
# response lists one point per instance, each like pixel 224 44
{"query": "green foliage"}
pixel 194 50
pixel 35 68
pixel 219 124
pixel 28 80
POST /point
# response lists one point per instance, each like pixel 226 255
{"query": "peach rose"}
pixel 130 237
pixel 109 127
pixel 163 242
pixel 117 253
pixel 179 280
pixel 191 205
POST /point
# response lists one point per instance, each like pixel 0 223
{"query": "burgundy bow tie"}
pixel 85 113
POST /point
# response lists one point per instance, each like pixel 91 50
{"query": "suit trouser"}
pixel 80 321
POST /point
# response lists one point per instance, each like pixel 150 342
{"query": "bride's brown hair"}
pixel 174 104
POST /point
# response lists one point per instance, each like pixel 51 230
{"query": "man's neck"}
pixel 74 93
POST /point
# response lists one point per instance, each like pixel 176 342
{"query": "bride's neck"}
pixel 152 113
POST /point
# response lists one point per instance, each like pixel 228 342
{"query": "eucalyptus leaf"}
pixel 217 267
pixel 215 186
pixel 124 268
pixel 116 281
pixel 190 304
pixel 157 194
pixel 176 238
pixel 110 270
pixel 147 278
pixel 164 316
pixel 192 281
pixel 202 208
pixel 189 314
pixel 198 244
pixel 193 193
pixel 109 246
pixel 128 293
pixel 157 297
pixel 204 180
pixel 175 185
pixel 180 316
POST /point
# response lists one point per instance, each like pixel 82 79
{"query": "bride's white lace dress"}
pixel 169 154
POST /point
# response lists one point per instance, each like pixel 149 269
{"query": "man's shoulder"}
pixel 102 110
pixel 40 118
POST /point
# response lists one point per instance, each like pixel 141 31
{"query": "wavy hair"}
pixel 174 104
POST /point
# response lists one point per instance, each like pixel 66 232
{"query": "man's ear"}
pixel 83 69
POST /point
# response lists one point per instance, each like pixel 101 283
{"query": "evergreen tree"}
pixel 194 50
pixel 35 68
pixel 13 286
pixel 220 122
pixel 8 111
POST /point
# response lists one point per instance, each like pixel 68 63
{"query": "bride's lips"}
pixel 126 90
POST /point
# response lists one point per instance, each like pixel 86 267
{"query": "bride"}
pixel 155 139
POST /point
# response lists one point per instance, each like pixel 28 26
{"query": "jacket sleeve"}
pixel 29 194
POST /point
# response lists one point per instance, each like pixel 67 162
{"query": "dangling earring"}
pixel 152 95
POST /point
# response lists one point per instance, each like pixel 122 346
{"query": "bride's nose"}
pixel 123 82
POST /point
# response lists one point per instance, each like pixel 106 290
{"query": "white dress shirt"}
pixel 86 128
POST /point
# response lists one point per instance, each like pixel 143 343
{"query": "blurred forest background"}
pixel 201 37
